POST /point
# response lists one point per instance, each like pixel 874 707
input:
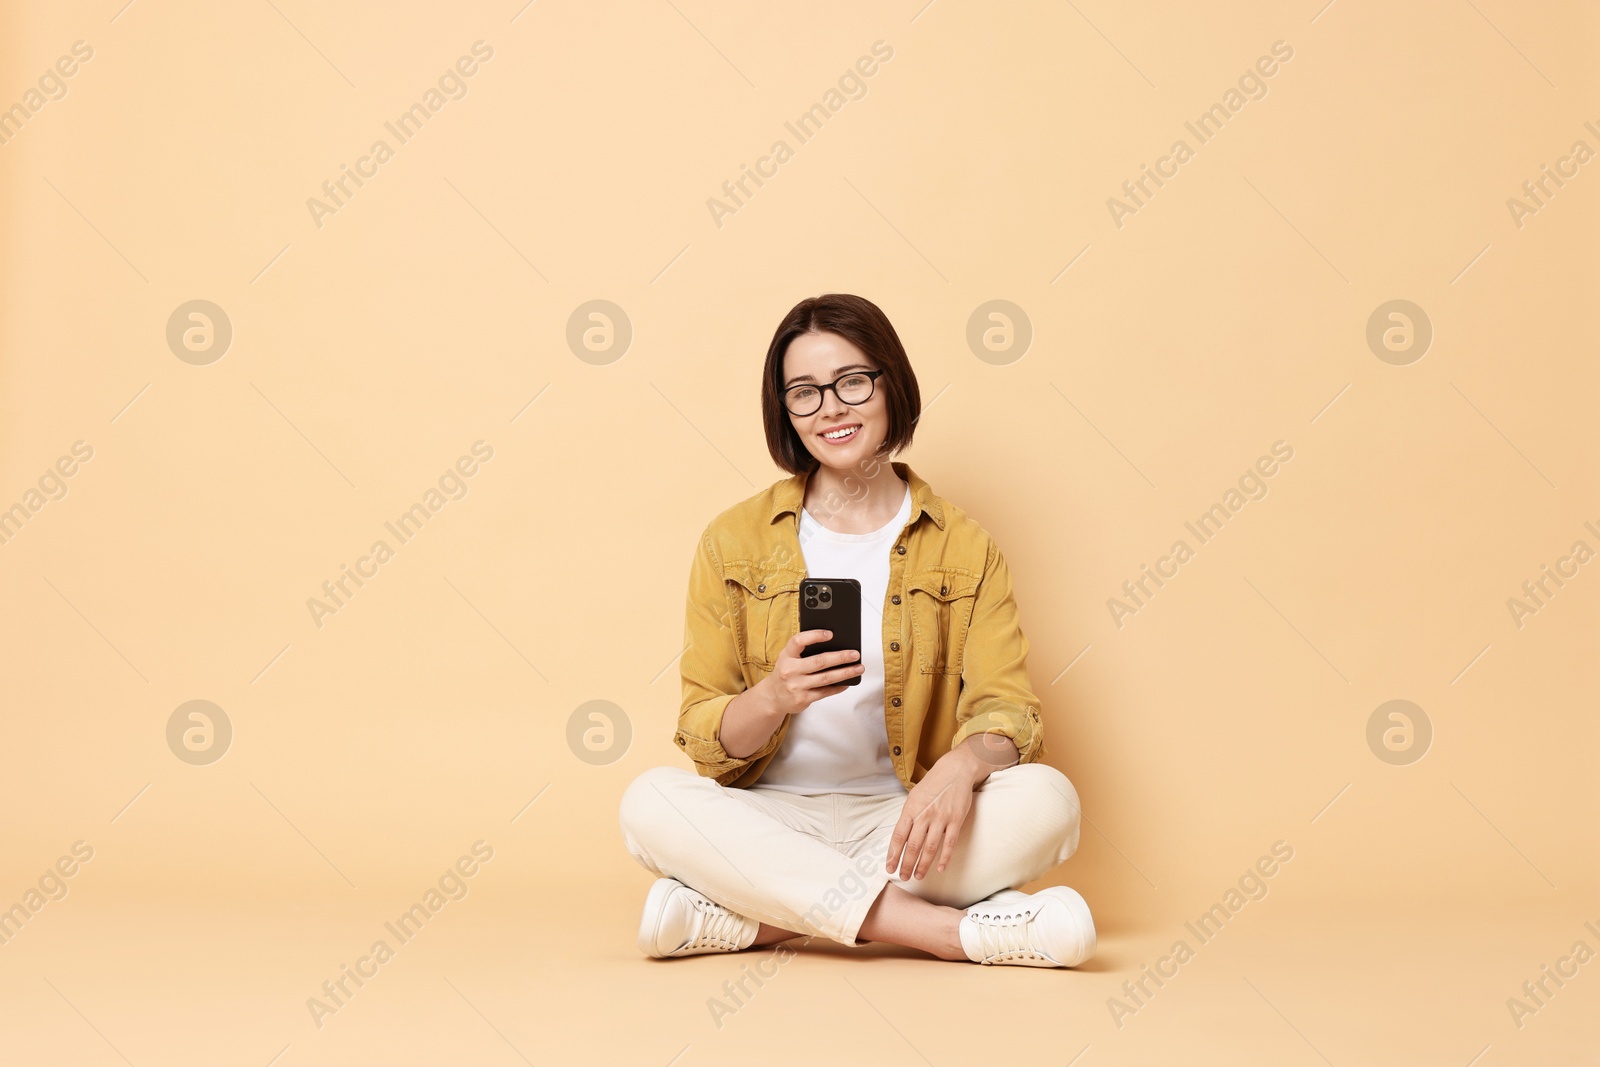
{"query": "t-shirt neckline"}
pixel 888 529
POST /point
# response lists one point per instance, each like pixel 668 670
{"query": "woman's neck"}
pixel 849 501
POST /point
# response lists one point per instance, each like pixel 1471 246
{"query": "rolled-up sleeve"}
pixel 996 696
pixel 710 666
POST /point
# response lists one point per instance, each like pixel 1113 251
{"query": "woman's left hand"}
pixel 935 808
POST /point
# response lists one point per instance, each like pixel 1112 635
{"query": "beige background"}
pixel 1168 354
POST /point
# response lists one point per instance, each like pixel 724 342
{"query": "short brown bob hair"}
pixel 862 323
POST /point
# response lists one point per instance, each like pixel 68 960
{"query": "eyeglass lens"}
pixel 852 389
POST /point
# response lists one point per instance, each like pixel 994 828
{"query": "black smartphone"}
pixel 832 604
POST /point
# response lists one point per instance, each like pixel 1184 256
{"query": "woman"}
pixel 901 808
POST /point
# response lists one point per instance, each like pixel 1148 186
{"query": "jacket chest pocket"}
pixel 941 603
pixel 764 605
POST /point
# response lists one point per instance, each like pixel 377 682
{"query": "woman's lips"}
pixel 846 439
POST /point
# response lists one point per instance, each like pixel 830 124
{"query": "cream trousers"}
pixel 815 864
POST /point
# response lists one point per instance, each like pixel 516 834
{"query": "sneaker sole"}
pixel 650 921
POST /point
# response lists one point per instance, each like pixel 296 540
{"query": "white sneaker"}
pixel 680 921
pixel 1000 896
pixel 1050 928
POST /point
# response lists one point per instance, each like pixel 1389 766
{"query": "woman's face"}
pixel 817 359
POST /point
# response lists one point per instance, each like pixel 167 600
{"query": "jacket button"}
pixel 894 646
pixel 761 588
pixel 895 598
pixel 944 590
pixel 680 741
pixel 900 549
pixel 897 750
pixel 895 702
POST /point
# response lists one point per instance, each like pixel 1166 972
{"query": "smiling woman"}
pixel 916 757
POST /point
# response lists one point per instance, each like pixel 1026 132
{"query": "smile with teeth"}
pixel 844 433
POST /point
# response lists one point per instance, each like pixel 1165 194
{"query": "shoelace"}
pixel 1007 934
pixel 719 927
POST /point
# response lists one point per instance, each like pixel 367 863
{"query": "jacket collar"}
pixel 789 495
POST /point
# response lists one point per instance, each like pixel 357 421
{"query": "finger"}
pixel 840 674
pixel 930 850
pixel 831 677
pixel 824 660
pixel 793 648
pixel 904 848
pixel 809 637
pixel 814 695
pixel 905 856
pixel 897 841
pixel 952 834
pixel 913 850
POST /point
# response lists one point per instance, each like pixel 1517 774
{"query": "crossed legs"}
pixel 896 918
pixel 771 856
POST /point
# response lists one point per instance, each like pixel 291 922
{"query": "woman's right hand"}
pixel 797 681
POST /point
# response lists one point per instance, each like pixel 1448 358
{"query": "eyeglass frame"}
pixel 871 376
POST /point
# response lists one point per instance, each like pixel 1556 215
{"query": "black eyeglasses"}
pixel 853 388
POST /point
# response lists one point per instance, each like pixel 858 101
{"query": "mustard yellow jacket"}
pixel 955 659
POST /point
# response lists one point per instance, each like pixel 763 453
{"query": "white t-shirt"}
pixel 839 744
